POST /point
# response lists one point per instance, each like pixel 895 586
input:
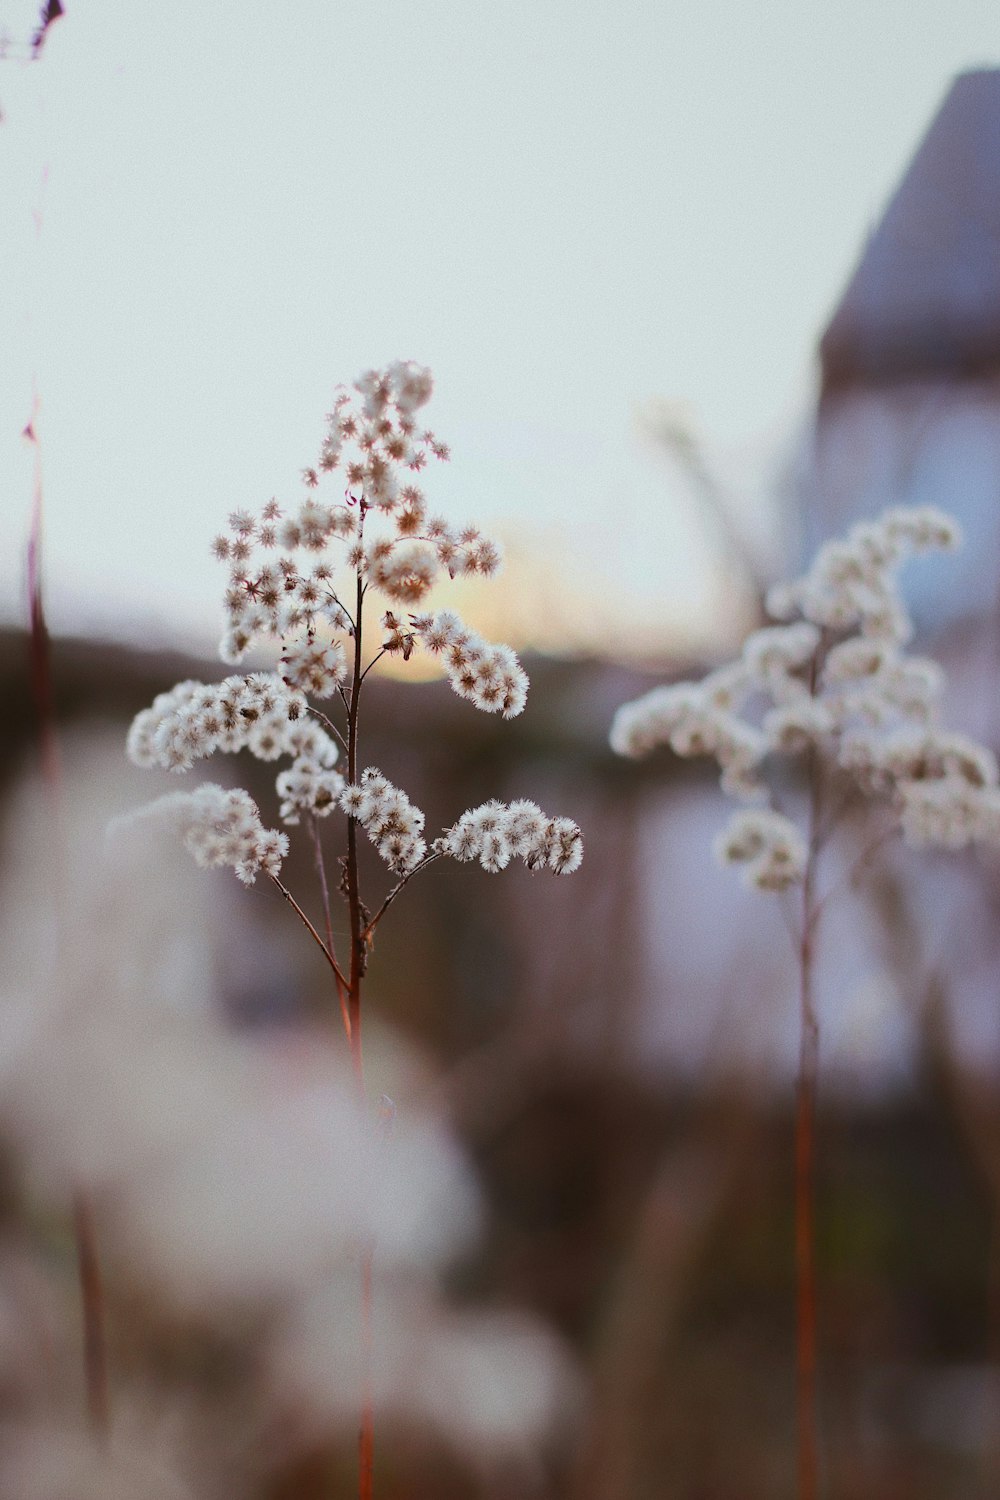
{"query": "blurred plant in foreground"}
pixel 284 588
pixel 236 1184
pixel 836 691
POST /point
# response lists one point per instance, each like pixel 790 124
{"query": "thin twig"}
pixel 315 935
pixel 334 598
pixel 851 877
pixel 318 713
pixel 95 1356
pixel 95 1352
pixel 324 888
pixel 805 1186
pixel 833 819
pixel 428 859
pixel 372 663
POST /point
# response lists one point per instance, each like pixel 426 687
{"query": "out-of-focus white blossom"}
pixel 775 650
pixel 838 684
pixel 489 1384
pixel 851 584
pixel 767 845
pixel 685 717
pixel 219 827
pixel 49 1462
pixel 496 832
pixel 231 1171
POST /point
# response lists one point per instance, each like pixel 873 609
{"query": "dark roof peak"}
pixel 924 300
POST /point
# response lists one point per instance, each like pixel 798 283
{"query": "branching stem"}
pixel 371 664
pixel 318 714
pixel 311 930
pixel 852 876
pixel 428 859
pixel 325 889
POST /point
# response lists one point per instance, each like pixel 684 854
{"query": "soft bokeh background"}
pixel 617 233
pixel 215 213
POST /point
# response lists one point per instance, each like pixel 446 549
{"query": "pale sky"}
pixel 563 208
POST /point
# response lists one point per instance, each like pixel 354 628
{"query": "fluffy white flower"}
pixel 837 680
pixel 496 832
pixel 389 818
pixel 411 384
pixel 405 572
pixel 314 667
pixel 489 676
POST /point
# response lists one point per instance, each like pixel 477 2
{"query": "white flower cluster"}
pixel 380 450
pixel 313 667
pixel 195 719
pixel 496 832
pixel 490 676
pixel 851 584
pixel 282 589
pixel 947 785
pixel 388 817
pixel 767 845
pixel 837 681
pixel 222 827
pixel 308 786
pixel 260 713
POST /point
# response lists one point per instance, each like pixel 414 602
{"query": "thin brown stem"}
pixel 318 713
pixel 366 1426
pixel 334 598
pixel 359 948
pixel 372 663
pixel 805 1184
pixel 853 874
pixel 325 889
pixel 400 884
pixel 95 1354
pixel 311 930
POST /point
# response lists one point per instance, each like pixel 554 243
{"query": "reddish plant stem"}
pixel 321 872
pixel 805 1233
pixel 359 955
pixel 95 1356
pixel 338 976
pixel 428 859
pixel 805 1173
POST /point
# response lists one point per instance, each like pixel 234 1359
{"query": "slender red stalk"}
pixel 807 1426
pixel 359 959
pixel 95 1353
pixel 805 1232
pixel 95 1357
